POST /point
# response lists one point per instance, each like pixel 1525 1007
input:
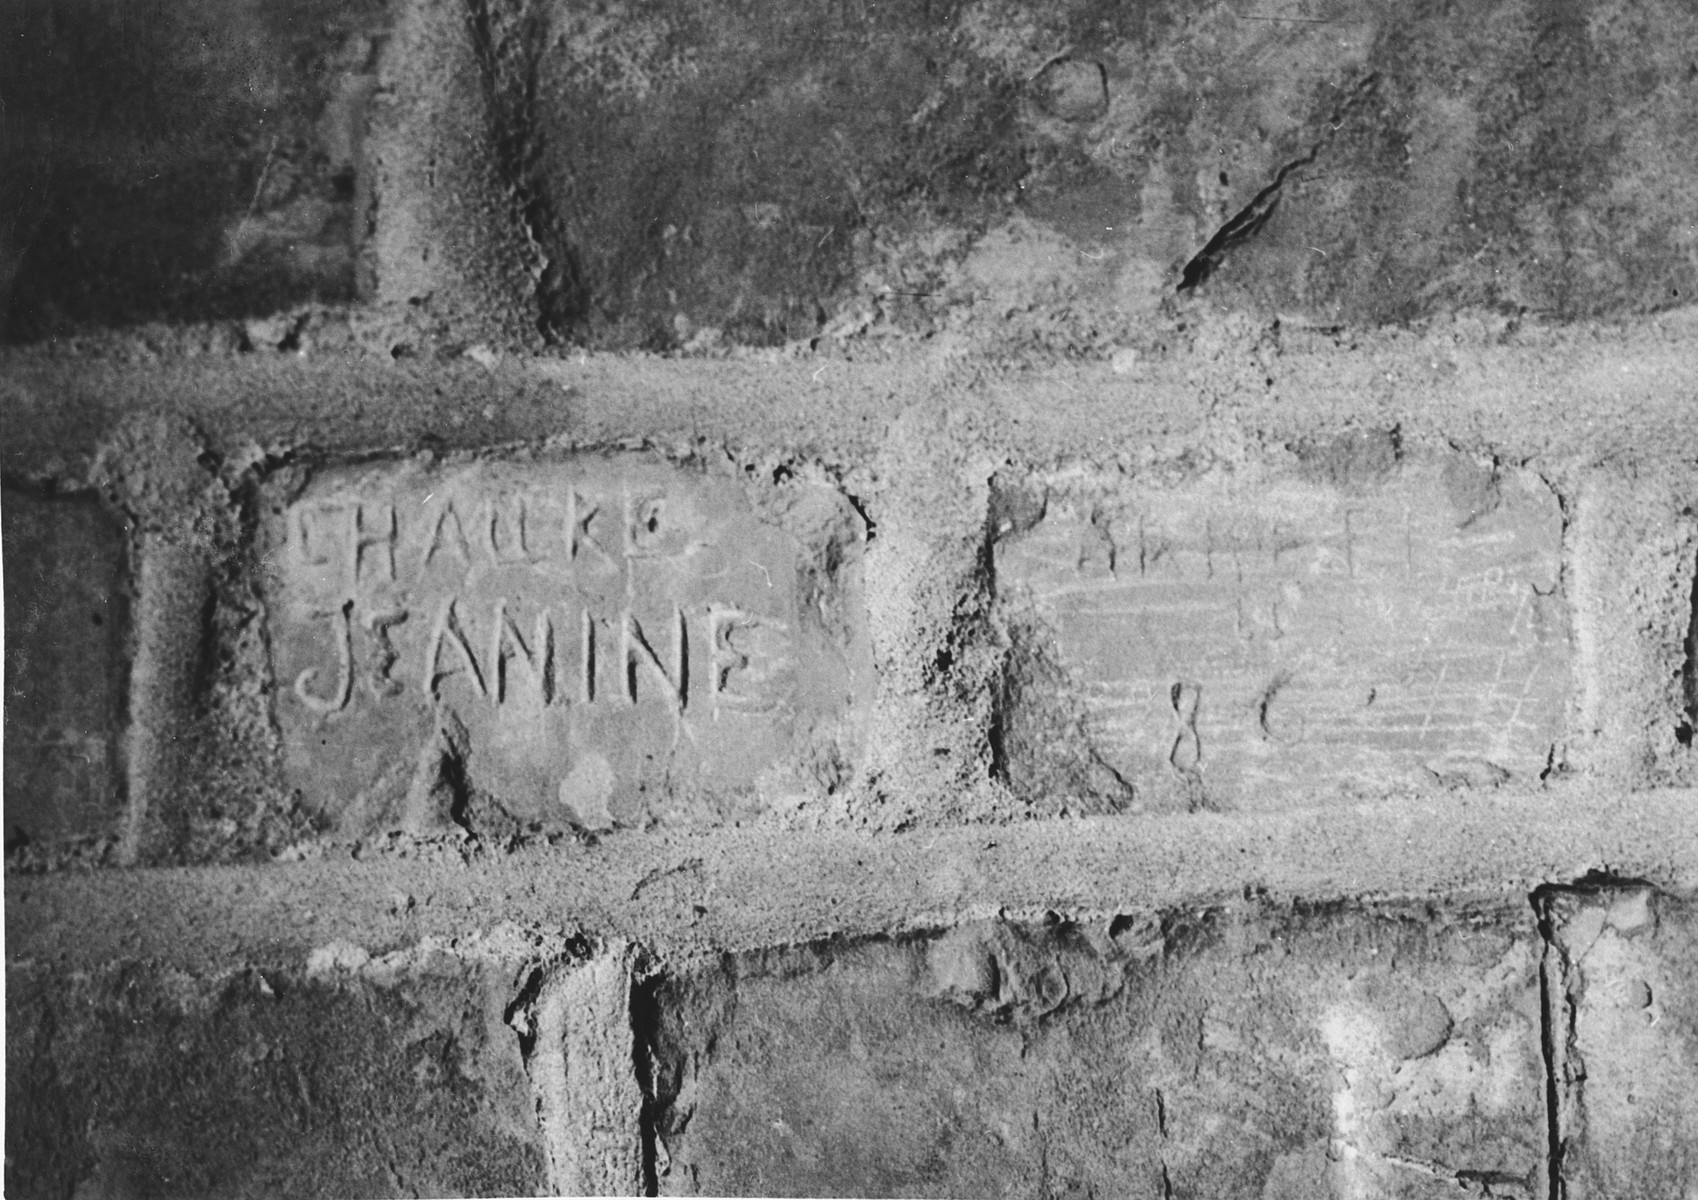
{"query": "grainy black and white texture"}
pixel 851 599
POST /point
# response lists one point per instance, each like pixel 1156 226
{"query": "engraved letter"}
pixel 589 658
pixel 338 700
pixel 458 542
pixel 637 650
pixel 378 680
pixel 723 657
pixel 311 533
pixel 381 535
pixel 1187 752
pixel 579 514
pixel 447 629
pixel 726 660
pixel 642 525
pixel 538 657
pixel 514 550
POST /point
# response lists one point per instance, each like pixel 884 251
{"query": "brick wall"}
pixel 751 600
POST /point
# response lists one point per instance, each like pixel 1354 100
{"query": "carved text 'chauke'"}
pixel 594 641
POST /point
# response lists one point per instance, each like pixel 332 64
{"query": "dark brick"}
pixel 184 159
pixel 1254 1053
pixel 749 171
pixel 66 628
pixel 131 1081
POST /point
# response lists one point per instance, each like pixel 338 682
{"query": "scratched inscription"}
pixel 1254 639
pixel 600 641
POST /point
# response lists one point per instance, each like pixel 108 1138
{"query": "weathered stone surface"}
pixel 759 172
pixel 181 160
pixel 1349 626
pixel 66 625
pixel 131 1081
pixel 726 167
pixel 1625 976
pixel 590 641
pixel 691 173
pixel 1252 1054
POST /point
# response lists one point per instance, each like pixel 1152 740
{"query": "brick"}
pixel 748 172
pixel 598 641
pixel 1245 638
pixel 1624 967
pixel 134 1080
pixel 182 162
pixel 1250 1053
pixel 67 616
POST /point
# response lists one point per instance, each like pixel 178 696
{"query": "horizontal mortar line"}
pixel 1222 613
pixel 692 894
pixel 1592 392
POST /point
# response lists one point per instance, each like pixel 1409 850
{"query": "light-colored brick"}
pixel 591 642
pixel 1242 639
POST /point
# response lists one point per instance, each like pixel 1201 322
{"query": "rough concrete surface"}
pixel 695 893
pixel 1605 394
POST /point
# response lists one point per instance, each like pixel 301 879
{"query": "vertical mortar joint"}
pixel 158 471
pixel 582 1064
